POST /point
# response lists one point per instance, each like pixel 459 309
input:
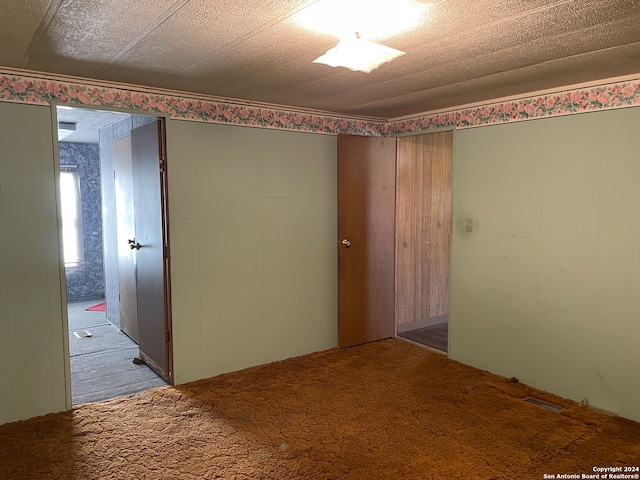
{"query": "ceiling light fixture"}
pixel 371 19
pixel 358 54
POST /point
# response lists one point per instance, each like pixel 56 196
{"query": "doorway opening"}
pixel 423 238
pixel 116 267
pixel 394 238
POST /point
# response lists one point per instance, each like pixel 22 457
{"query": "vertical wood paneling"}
pixel 546 288
pixel 589 147
pixel 253 228
pixel 416 226
pixel 494 285
pixel 447 150
pixel 254 163
pixel 233 235
pixel 630 401
pixel 441 155
pixel 404 231
pixel 436 253
pixel 613 267
pixel 423 196
pixel 560 161
pixel 191 254
pixel 422 236
pixel 32 340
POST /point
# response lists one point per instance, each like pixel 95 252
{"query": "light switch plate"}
pixel 468 224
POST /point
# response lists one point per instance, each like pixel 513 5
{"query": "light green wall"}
pixel 32 360
pixel 254 259
pixel 547 286
pixel 253 221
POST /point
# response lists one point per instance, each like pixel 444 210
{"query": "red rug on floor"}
pixel 100 307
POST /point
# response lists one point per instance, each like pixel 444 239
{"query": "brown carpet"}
pixel 387 410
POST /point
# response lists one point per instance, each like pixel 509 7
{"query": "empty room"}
pixel 335 239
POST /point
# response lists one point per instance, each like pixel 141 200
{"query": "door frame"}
pixel 165 221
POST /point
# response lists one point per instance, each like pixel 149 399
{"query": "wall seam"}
pixel 632 279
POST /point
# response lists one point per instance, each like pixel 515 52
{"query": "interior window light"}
pixel 71 206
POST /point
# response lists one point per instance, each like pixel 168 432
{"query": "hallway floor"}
pixel 102 364
pixel 436 336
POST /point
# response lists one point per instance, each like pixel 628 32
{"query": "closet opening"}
pixel 423 238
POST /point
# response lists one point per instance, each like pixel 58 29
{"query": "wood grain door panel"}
pixel 366 217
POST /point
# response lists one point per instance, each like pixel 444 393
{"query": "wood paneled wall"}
pixel 32 338
pixel 254 262
pixel 423 226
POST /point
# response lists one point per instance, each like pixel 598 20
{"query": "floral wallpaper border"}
pixel 39 91
pixel 29 88
pixel 581 100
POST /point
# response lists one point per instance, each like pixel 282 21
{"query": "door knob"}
pixel 346 243
pixel 134 245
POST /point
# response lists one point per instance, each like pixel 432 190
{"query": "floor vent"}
pixel 82 333
pixel 540 403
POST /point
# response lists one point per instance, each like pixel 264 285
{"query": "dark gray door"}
pixel 149 183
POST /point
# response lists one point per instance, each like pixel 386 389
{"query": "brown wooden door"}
pixel 147 148
pixel 125 225
pixel 366 258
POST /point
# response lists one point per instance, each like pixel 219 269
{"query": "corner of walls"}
pixel 23 86
pixel 41 89
pixel 570 100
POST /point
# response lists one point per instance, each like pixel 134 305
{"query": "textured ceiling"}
pixel 87 123
pixel 468 51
